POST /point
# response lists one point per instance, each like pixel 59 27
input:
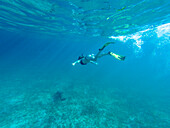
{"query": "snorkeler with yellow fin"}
pixel 83 60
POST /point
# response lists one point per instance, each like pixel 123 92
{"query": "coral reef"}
pixel 82 105
pixel 58 96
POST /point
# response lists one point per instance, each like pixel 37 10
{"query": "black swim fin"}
pixel 105 45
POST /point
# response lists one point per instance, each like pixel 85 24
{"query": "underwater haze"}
pixel 39 86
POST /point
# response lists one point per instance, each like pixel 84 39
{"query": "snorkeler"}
pixel 83 60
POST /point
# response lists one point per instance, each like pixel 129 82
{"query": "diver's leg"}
pixel 97 55
pixel 101 49
pixel 104 54
pixel 119 57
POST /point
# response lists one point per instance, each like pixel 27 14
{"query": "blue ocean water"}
pixel 39 41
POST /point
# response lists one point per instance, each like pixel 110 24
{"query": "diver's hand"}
pixel 73 64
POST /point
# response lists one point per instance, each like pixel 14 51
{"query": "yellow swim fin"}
pixel 119 57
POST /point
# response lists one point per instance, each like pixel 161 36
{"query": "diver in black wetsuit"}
pixel 93 58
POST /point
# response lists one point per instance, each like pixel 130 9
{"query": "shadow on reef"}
pixel 58 96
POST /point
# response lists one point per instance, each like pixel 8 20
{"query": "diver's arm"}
pixel 78 61
pixel 93 62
